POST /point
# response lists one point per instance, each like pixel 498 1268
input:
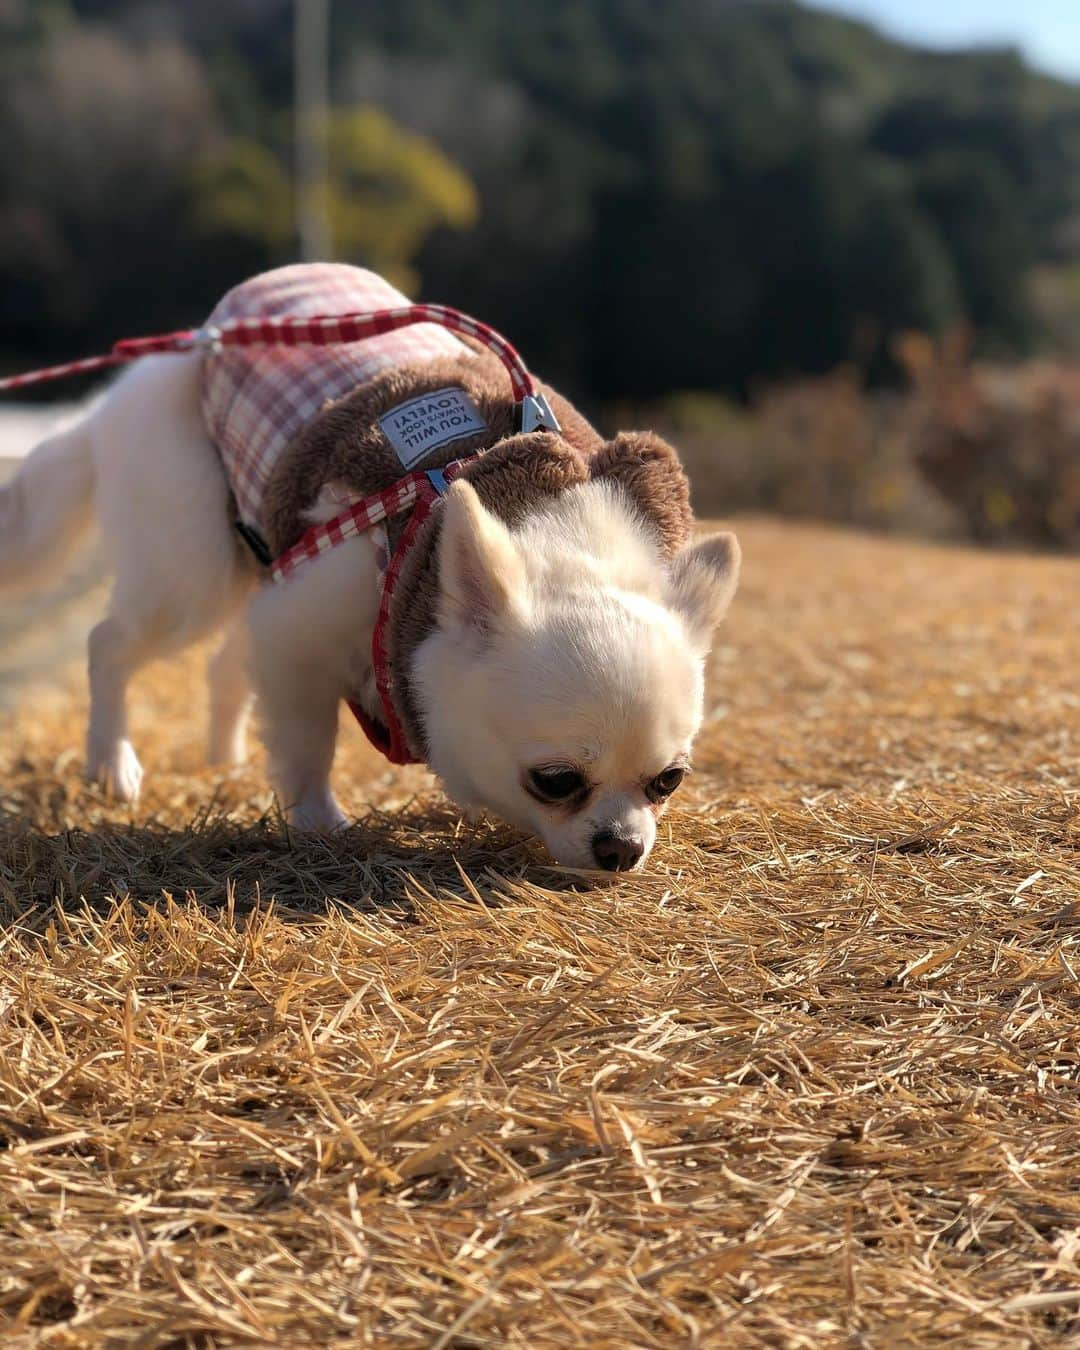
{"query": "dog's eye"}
pixel 555 784
pixel 664 784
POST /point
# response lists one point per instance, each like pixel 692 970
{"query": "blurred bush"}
pixel 243 188
pixel 1001 444
pixel 969 450
pixel 817 448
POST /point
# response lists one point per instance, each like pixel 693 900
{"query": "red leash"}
pixel 417 492
pixel 323 330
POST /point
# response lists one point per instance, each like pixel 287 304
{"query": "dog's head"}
pixel 563 687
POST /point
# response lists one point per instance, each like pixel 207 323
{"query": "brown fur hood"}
pixel 517 474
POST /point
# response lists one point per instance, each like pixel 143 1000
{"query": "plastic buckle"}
pixel 255 542
pixel 437 479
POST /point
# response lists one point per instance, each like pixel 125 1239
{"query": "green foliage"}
pixel 970 198
pixel 244 189
pixel 388 190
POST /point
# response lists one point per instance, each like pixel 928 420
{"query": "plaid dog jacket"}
pixel 256 401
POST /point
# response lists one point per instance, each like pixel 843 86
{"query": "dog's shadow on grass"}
pixel 383 863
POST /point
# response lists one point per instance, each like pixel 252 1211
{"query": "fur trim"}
pixel 649 471
pixel 345 443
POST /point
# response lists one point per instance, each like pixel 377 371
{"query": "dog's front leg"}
pixel 115 652
pixel 310 643
pixel 230 698
pixel 300 731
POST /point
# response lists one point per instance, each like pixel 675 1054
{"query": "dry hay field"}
pixel 811 1081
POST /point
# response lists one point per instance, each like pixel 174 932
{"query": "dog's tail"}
pixel 46 509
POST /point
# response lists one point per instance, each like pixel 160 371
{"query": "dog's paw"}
pixel 117 770
pixel 321 814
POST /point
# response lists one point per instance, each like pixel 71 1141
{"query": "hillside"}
pixel 679 196
pixel 810 1080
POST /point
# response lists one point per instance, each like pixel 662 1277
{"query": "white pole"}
pixel 311 59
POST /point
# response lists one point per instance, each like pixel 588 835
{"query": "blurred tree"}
pixel 243 188
pixel 970 197
pixel 751 182
pixel 98 134
pixel 389 188
pixel 729 283
pixel 669 193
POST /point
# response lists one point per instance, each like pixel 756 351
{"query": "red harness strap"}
pixel 418 492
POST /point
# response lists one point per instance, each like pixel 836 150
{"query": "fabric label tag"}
pixel 420 426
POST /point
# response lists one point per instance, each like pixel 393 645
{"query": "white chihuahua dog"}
pixel 561 685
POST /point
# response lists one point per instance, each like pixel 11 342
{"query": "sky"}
pixel 1048 31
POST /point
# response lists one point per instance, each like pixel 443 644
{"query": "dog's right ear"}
pixel 704 577
pixel 482 581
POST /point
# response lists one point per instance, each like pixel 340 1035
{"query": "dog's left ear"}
pixel 333 498
pixel 702 582
pixel 649 472
pixel 482 580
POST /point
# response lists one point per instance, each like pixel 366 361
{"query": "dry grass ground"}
pixel 812 1081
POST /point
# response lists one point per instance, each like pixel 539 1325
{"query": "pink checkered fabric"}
pixel 256 400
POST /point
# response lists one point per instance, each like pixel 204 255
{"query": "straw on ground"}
pixel 811 1081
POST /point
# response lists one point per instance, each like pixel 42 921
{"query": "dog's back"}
pixel 256 401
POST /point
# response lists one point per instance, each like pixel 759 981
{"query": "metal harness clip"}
pixel 208 336
pixel 536 414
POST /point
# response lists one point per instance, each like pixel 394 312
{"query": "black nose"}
pixel 616 852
